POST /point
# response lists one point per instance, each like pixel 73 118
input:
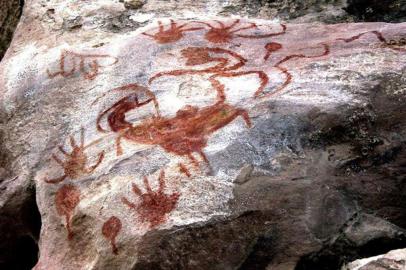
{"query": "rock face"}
pixel 202 143
pixel 395 260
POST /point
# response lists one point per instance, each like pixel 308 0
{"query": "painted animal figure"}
pixel 116 113
pixel 154 205
pixel 183 135
pixel 171 34
pixel 76 164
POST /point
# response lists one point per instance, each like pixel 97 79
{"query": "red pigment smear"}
pixel 75 165
pixel 86 64
pixel 172 34
pixel 66 200
pixel 270 48
pixel 183 169
pixel 110 230
pixel 155 205
pixel 224 34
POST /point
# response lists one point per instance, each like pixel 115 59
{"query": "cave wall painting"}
pixel 272 47
pixel 154 205
pixel 222 33
pixel 223 59
pixel 394 44
pixel 172 33
pixel 217 32
pixel 188 131
pixel 71 63
pixel 110 231
pixel 66 199
pixel 75 165
pixel 183 135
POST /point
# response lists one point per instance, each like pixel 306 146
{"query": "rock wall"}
pixel 198 141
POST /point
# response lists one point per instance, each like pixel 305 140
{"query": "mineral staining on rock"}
pixel 145 125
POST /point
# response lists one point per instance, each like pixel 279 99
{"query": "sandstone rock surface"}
pixel 200 143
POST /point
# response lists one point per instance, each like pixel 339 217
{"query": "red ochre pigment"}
pixel 155 205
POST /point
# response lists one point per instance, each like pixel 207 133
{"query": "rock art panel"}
pixel 227 94
pixel 196 56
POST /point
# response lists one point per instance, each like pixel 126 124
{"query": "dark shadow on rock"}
pixel 10 13
pixel 261 254
pixel 20 226
pixel 343 251
pixel 219 244
pixel 377 10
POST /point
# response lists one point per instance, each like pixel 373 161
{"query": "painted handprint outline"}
pixel 75 165
pixel 171 34
pixel 154 205
pixel 224 34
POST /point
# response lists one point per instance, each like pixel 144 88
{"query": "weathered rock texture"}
pixel 394 260
pixel 207 143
